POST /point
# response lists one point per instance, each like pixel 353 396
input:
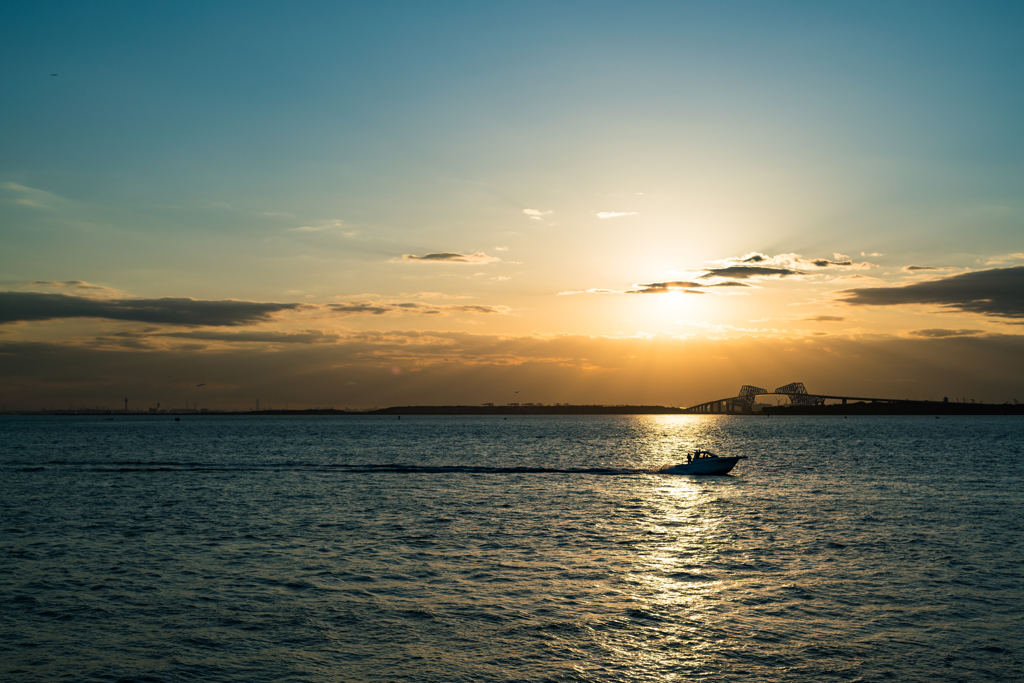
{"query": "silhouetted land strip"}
pixel 857 408
pixel 902 408
pixel 398 410
pixel 529 410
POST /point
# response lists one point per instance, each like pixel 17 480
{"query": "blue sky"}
pixel 294 153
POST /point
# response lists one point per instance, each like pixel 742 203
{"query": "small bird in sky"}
pixel 53 74
pixel 201 385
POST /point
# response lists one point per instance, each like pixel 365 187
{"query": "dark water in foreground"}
pixel 459 549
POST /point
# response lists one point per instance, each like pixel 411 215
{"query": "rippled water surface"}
pixel 519 549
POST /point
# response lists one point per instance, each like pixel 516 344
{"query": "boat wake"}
pixel 471 469
pixel 365 468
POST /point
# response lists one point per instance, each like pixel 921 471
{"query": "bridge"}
pixel 743 404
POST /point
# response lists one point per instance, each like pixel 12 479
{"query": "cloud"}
pixel 826 318
pixel 410 308
pixel 680 286
pixel 996 260
pixel 998 292
pixel 323 225
pixel 731 271
pixel 795 262
pixel 465 369
pixel 872 254
pixel 306 337
pixel 74 285
pixel 451 257
pixel 29 306
pixel 615 214
pixel 855 276
pixel 433 295
pixel 29 196
pixel 746 272
pixel 332 226
pixel 936 333
pixel 914 269
pixel 536 215
pixel 664 288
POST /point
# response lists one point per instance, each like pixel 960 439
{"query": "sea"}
pixel 519 548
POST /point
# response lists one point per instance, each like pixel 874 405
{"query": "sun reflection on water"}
pixel 666 439
pixel 677 575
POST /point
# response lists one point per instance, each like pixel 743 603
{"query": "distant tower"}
pixel 126 405
pixel 257 405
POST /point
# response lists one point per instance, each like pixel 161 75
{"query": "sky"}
pixel 374 204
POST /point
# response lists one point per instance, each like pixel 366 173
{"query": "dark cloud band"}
pixel 30 306
pixel 998 292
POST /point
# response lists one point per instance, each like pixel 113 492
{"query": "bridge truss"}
pixel 748 394
pixel 798 396
pixel 743 404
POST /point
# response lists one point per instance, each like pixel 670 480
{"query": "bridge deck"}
pixel 724 403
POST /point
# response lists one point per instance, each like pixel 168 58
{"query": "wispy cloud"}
pixel 680 286
pixel 79 286
pixel 825 263
pixel 327 226
pixel 747 272
pixel 451 257
pixel 433 295
pixel 410 308
pixel 537 215
pixel 740 271
pixel 257 336
pixel 30 196
pixel 615 214
pixel 796 262
pixel 937 333
pixel 916 269
pixel 1008 258
pixel 825 318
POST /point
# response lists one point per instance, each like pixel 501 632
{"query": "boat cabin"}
pixel 699 455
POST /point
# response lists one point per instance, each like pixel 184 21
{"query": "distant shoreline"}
pixel 861 408
pixel 902 408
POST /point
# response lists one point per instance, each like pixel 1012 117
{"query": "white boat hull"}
pixel 705 466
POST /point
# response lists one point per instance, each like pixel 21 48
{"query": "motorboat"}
pixel 704 462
